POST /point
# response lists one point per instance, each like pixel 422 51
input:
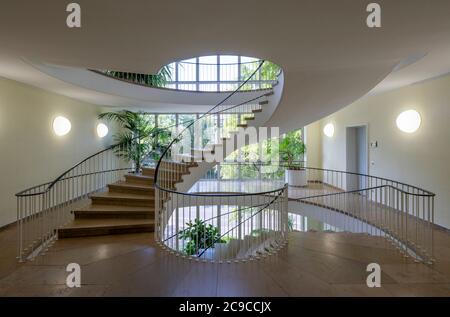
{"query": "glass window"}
pixel 166 120
pixel 150 118
pixel 248 66
pixel 172 72
pixel 187 70
pixel 184 120
pixel 207 68
pixel 207 87
pixel 189 87
pixel 229 68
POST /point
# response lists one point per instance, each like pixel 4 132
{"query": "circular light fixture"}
pixel 329 130
pixel 102 130
pixel 409 121
pixel 61 126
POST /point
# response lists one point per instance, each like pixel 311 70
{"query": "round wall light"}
pixel 102 130
pixel 329 130
pixel 61 126
pixel 409 121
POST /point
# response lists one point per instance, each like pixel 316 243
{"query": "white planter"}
pixel 296 178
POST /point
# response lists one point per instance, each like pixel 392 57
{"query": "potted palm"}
pixel 291 150
pixel 141 140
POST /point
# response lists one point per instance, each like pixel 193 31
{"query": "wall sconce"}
pixel 409 121
pixel 102 130
pixel 328 130
pixel 61 126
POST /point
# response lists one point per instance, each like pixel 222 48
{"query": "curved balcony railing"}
pixel 224 227
pixel 402 214
pixel 196 76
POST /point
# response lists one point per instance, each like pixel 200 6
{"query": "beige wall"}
pixel 420 159
pixel 31 153
pixel 313 141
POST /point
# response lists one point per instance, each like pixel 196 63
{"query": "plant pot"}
pixel 296 178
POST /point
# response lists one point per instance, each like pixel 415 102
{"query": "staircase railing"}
pixel 401 213
pixel 228 77
pixel 405 218
pixel 225 227
pixel 191 148
pixel 44 208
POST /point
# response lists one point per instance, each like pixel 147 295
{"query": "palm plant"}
pixel 138 139
pixel 292 148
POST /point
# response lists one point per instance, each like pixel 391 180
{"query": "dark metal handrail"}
pixel 367 189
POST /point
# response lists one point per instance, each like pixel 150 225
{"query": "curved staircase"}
pixel 115 201
pixel 127 206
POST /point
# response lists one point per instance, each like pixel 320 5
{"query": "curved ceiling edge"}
pixel 96 82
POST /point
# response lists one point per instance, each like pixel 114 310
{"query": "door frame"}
pixel 366 126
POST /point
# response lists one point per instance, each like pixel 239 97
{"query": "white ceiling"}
pixel 329 56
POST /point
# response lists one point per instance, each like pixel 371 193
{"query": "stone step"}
pixel 139 179
pixel 101 227
pixel 122 199
pixel 151 171
pixel 132 188
pixel 115 212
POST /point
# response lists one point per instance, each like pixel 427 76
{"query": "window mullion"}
pixel 218 73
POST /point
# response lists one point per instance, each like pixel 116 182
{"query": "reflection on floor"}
pixel 313 264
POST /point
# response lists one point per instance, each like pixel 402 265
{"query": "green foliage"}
pixel 292 148
pixel 158 80
pixel 138 137
pixel 200 236
pixel 268 71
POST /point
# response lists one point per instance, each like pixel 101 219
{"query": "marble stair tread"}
pixel 114 208
pixel 127 184
pixel 139 177
pixel 99 227
pixel 114 195
pixel 94 223
pixel 135 187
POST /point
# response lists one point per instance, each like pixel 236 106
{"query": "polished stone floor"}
pixel 312 264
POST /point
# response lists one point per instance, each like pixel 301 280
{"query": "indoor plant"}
pixel 200 237
pixel 291 150
pixel 139 138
